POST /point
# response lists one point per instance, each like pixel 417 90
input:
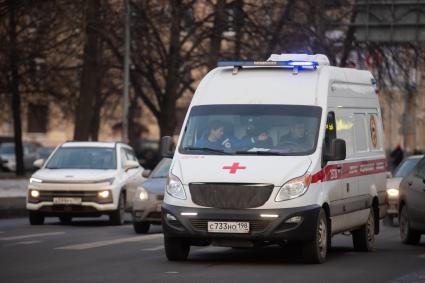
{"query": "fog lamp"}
pixel 35 193
pixel 171 217
pixel 295 219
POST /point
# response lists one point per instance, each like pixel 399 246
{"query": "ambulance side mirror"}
pixel 166 147
pixel 338 151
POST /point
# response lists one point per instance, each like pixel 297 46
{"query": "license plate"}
pixel 63 200
pixel 228 227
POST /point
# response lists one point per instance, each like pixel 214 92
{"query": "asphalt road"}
pixel 89 250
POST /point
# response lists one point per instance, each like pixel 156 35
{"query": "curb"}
pixel 13 207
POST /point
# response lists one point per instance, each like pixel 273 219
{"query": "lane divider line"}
pixel 22 243
pixel 105 243
pixel 153 249
pixel 31 236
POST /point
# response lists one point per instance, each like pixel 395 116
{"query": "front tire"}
pixel 364 237
pixel 117 217
pixel 176 249
pixel 141 227
pixel 407 234
pixel 36 218
pixel 316 250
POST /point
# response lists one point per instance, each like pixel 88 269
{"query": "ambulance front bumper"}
pixel 265 225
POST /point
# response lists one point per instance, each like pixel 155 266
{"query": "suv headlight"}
pixel 175 187
pixel 142 193
pixel 294 188
pixel 393 193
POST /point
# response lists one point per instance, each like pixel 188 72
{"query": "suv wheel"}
pixel 364 237
pixel 36 218
pixel 408 235
pixel 176 249
pixel 141 227
pixel 316 250
pixel 117 216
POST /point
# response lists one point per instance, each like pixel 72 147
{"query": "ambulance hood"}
pixel 275 170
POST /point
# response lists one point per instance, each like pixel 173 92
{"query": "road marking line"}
pixel 153 249
pixel 22 243
pixel 172 272
pixel 1 232
pixel 31 236
pixel 422 256
pixel 99 244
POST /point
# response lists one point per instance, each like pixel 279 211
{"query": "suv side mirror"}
pixel 131 164
pixel 38 163
pixel 338 151
pixel 166 143
pixel 146 173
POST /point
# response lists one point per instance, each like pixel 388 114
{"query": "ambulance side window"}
pixel 360 132
pixel 330 134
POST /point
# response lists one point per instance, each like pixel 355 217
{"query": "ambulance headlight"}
pixel 175 187
pixel 294 188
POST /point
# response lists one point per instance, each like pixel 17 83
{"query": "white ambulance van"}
pixel 289 150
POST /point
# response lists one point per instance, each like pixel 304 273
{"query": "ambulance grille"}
pixel 230 195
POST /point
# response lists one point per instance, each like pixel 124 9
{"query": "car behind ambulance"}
pixel 284 151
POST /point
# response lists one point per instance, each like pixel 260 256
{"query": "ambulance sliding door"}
pixel 345 128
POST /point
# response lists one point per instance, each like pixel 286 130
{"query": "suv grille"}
pixel 230 195
pixel 86 196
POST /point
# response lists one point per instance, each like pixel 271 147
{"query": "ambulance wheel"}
pixel 316 250
pixel 364 237
pixel 141 227
pixel 408 236
pixel 176 249
pixel 36 218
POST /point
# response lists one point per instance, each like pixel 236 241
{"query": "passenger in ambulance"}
pixel 256 136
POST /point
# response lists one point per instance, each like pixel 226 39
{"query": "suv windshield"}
pixel 406 167
pixel 7 148
pixel 83 158
pixel 251 129
pixel 161 170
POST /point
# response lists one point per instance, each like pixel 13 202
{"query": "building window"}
pixel 37 118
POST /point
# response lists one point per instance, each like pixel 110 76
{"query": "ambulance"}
pixel 283 151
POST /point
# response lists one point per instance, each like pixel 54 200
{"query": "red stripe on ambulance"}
pixel 348 170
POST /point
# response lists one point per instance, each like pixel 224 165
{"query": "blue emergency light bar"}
pixel 295 65
pixel 285 64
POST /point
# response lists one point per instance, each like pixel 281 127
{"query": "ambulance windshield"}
pixel 251 129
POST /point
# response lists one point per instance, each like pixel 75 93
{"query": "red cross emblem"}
pixel 235 166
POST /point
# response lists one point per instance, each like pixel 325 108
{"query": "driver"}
pixel 214 139
pixel 296 136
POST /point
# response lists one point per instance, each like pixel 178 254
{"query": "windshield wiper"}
pixel 258 152
pixel 206 149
